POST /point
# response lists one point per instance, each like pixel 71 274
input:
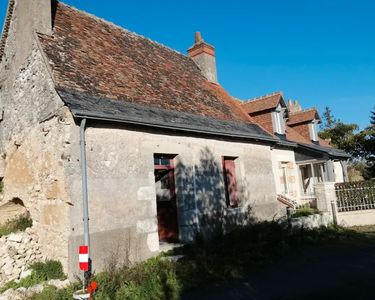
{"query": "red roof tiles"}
pixel 303 116
pixel 91 55
pixel 263 103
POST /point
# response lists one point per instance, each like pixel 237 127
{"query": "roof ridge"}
pixel 262 97
pixel 99 19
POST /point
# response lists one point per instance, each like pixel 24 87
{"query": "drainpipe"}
pixel 195 200
pixel 86 236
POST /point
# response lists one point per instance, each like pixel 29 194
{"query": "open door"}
pixel 166 198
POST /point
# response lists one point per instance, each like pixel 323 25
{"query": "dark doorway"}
pixel 166 198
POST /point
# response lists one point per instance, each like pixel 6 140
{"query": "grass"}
pixel 304 212
pixel 40 272
pixel 233 255
pixel 15 225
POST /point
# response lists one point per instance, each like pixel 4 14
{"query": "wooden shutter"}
pixel 230 182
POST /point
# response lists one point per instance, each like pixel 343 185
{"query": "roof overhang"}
pixel 84 105
pixel 332 152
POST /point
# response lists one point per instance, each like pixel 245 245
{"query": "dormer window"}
pixel 314 130
pixel 278 120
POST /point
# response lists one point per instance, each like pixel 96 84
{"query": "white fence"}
pixel 348 204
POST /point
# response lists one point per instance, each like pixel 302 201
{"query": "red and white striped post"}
pixel 84 258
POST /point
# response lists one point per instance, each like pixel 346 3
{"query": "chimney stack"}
pixel 203 55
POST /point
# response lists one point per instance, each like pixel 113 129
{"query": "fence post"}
pixel 334 211
pixel 289 217
pixel 326 199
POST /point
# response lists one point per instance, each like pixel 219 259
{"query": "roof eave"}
pixel 98 117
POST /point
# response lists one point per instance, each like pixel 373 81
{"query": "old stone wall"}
pixel 122 198
pixel 17 252
pixel 35 144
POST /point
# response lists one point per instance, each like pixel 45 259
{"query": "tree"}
pixel 369 147
pixel 372 117
pixel 359 144
pixel 328 120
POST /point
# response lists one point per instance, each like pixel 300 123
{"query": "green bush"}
pixel 15 225
pixel 40 272
pixel 153 279
pixel 304 212
pixel 50 269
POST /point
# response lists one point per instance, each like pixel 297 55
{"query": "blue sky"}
pixel 320 52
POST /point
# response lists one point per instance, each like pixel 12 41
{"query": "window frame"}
pixel 230 182
pixel 278 120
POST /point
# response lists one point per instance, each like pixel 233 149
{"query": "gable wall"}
pixel 34 137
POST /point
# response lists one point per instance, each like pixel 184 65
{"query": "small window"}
pixel 278 120
pixel 163 159
pixel 230 181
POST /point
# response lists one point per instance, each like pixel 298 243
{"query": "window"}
pixel 314 131
pixel 278 120
pixel 284 178
pixel 230 181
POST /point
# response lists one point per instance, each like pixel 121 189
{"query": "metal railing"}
pixel 353 196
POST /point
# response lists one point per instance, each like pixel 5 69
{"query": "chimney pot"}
pixel 198 38
pixel 203 55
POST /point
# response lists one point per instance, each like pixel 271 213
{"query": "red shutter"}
pixel 230 182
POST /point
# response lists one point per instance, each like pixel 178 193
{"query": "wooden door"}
pixel 166 203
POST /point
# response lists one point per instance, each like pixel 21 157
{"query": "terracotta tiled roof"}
pixel 294 136
pixel 263 103
pixel 303 116
pixel 94 56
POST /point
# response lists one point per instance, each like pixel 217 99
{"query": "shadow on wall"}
pixel 202 201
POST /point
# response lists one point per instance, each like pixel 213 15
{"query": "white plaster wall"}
pixel 122 188
pixel 120 166
pixel 356 218
pixel 339 172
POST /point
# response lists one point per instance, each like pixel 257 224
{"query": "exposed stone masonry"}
pixel 17 252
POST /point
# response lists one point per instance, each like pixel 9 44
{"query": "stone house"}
pixel 165 151
pixel 308 159
pixel 169 153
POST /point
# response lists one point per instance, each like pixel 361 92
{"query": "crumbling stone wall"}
pixel 17 252
pixel 35 142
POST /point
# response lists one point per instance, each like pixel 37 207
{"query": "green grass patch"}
pixel 231 256
pixel 15 225
pixel 304 212
pixel 40 272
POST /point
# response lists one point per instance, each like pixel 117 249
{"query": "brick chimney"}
pixel 203 55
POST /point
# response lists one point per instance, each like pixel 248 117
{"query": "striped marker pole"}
pixel 84 258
